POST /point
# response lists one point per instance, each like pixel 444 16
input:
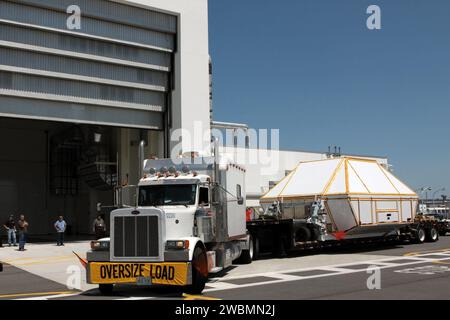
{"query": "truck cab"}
pixel 188 220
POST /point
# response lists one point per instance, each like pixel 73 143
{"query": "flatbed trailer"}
pixel 279 236
pixel 339 200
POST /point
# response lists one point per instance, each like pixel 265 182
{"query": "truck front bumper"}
pixel 149 273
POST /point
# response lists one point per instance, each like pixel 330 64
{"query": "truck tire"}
pixel 432 235
pixel 106 289
pixel 255 248
pixel 199 271
pixel 247 255
pixel 420 235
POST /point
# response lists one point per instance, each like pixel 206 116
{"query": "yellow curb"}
pixel 196 297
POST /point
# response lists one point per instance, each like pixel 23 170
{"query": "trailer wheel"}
pixel 106 289
pixel 199 271
pixel 303 234
pixel 420 235
pixel 432 235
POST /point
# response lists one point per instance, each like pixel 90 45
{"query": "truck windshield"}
pixel 167 195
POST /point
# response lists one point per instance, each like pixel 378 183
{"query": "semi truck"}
pixel 188 221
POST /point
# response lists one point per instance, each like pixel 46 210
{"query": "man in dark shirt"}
pixel 99 227
pixel 23 232
pixel 10 227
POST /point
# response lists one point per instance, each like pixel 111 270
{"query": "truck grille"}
pixel 136 236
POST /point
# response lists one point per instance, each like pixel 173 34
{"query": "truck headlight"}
pixel 100 245
pixel 177 244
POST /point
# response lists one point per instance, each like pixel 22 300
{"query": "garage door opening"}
pixel 49 169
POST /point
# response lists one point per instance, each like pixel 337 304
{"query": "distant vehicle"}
pixel 440 213
pixel 443 211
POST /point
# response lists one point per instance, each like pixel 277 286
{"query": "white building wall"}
pixel 190 100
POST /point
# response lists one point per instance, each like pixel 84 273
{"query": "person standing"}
pixel 23 232
pixel 99 227
pixel 10 227
pixel 60 226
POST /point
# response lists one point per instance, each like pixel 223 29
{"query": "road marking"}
pixel 53 296
pixel 411 254
pixel 441 262
pixel 36 260
pixel 197 297
pixel 18 295
pixel 136 298
pixel 335 270
pixel 332 268
pixel 49 261
pixel 221 285
pixel 285 277
pixel 425 270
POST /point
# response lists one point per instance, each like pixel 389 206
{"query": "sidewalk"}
pixel 48 260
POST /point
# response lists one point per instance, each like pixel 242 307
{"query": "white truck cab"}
pixel 188 221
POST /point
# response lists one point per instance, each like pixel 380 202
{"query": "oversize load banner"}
pixel 160 273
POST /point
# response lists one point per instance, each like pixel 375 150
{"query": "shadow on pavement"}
pixel 127 291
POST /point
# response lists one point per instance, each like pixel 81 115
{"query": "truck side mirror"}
pixel 240 201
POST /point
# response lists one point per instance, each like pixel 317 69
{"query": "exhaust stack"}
pixel 141 158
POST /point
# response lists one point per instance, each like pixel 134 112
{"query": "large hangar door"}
pixel 115 70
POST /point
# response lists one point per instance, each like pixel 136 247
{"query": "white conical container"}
pixel 361 197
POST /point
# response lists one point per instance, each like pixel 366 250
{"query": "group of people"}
pixel 21 228
pixel 12 229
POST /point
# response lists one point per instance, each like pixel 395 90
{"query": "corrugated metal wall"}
pixel 115 70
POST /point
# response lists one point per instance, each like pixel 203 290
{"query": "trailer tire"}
pixel 432 235
pixel 106 289
pixel 199 271
pixel 303 234
pixel 420 235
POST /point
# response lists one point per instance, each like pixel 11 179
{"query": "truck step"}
pixel 216 270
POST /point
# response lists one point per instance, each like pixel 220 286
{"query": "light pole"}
pixel 438 190
pixel 421 191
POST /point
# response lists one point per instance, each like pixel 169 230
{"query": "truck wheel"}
pixel 247 255
pixel 255 248
pixel 420 235
pixel 432 235
pixel 106 289
pixel 199 272
pixel 303 234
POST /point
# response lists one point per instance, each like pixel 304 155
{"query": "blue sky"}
pixel 312 69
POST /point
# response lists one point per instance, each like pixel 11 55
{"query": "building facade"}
pixel 82 82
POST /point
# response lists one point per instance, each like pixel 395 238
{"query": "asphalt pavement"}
pixel 382 271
